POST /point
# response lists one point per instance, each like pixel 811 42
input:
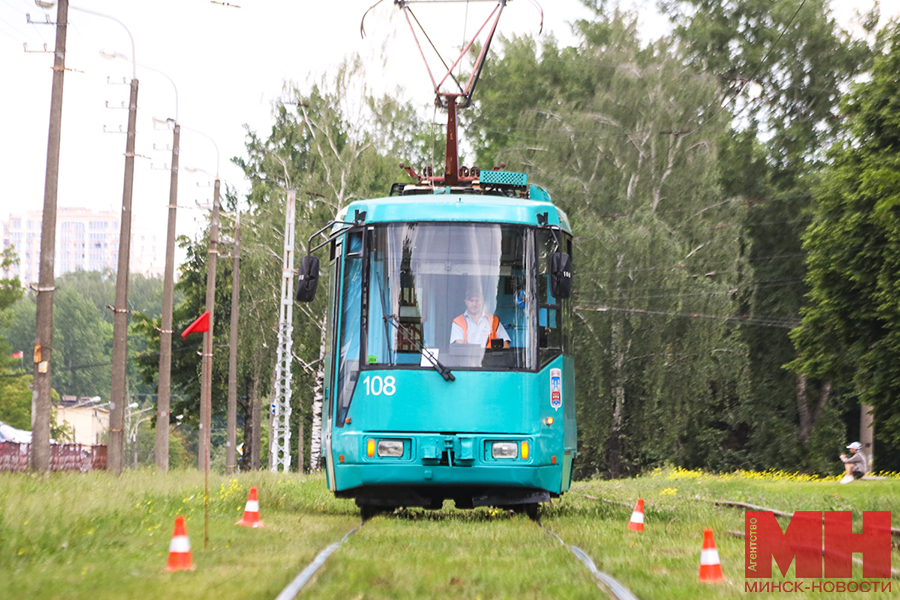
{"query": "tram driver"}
pixel 476 326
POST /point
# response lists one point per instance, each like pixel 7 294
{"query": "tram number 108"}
pixel 375 386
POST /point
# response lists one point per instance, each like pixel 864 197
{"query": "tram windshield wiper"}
pixel 444 371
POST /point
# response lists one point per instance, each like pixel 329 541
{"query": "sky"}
pixel 229 62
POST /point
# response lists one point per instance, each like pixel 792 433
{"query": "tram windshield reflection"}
pixel 457 291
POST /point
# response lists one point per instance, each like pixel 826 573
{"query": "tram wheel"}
pixel 367 512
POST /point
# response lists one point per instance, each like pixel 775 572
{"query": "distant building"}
pixel 87 416
pixel 86 240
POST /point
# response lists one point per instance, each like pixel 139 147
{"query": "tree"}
pixel 850 333
pixel 333 143
pixel 12 387
pixel 782 63
pixel 624 137
pixel 784 67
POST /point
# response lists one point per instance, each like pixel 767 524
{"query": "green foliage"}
pixel 15 397
pixel 621 135
pixel 82 341
pixel 333 143
pixel 15 407
pixel 784 63
pixel 10 289
pixel 850 332
pixel 15 401
pixel 10 292
pixel 784 67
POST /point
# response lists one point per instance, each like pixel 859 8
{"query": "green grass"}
pixel 98 537
pixel 93 536
pixel 663 561
pixel 453 554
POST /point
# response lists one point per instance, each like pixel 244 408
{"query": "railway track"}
pixel 615 589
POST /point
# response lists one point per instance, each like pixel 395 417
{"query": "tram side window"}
pixel 554 318
pixel 351 302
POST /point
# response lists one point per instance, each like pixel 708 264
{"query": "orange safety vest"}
pixel 495 323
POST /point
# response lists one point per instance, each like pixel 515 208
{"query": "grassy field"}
pixel 93 536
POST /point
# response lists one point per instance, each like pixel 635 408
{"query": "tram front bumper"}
pixel 419 469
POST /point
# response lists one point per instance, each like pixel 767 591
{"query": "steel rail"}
pixel 294 587
pixel 616 589
pixel 606 581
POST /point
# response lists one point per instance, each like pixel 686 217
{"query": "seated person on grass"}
pixel 855 465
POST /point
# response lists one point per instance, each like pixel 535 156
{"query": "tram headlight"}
pixel 504 450
pixel 390 448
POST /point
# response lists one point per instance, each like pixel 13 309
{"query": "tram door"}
pixel 332 323
pixel 342 338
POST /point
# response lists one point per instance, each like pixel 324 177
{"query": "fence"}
pixel 63 457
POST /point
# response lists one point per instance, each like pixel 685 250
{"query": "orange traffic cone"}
pixel 710 567
pixel 251 511
pixel 180 549
pixel 637 517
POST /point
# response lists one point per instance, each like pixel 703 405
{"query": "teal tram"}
pixel 448 366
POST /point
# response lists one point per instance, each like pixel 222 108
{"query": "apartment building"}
pixel 86 240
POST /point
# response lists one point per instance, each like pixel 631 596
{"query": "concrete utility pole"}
pixel 206 381
pixel 280 433
pixel 161 449
pixel 231 440
pixel 43 331
pixel 164 389
pixel 119 389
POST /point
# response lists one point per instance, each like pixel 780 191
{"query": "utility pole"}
pixel 43 330
pixel 161 449
pixel 280 433
pixel 206 381
pixel 231 440
pixel 164 388
pixel 119 389
pixel 117 397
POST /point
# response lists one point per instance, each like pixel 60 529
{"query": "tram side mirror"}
pixel 561 275
pixel 309 279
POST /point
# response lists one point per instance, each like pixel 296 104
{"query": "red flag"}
pixel 199 326
pixel 18 354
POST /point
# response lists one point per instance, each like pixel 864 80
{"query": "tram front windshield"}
pixel 456 292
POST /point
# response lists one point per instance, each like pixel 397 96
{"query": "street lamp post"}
pixel 206 387
pixel 116 453
pixel 206 376
pixel 231 440
pixel 164 387
pixel 231 422
pixel 120 308
pixel 43 330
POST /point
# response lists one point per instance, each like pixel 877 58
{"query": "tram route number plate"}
pixel 555 388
